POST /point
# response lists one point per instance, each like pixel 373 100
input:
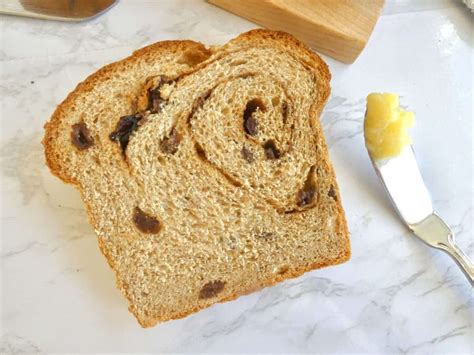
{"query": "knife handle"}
pixel 436 233
pixel 460 258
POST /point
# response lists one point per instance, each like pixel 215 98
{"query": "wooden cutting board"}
pixel 338 28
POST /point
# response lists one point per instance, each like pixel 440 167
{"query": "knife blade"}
pixel 404 184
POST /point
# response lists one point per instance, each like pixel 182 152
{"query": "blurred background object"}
pixel 469 4
pixel 62 10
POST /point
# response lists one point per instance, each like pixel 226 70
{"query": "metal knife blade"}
pixel 404 184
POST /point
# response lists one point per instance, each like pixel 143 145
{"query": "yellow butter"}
pixel 385 126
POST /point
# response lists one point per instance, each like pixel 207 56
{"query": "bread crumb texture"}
pixel 205 172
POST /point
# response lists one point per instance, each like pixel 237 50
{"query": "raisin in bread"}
pixel 205 172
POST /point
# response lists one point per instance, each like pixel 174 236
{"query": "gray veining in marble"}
pixel 394 296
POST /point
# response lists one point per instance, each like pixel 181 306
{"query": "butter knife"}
pixel 404 184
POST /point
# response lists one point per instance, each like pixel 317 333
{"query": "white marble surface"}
pixel 394 296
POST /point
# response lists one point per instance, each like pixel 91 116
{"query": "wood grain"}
pixel 338 28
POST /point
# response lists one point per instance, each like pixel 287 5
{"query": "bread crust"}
pixel 254 37
pixel 51 127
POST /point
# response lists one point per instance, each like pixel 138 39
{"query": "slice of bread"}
pixel 205 172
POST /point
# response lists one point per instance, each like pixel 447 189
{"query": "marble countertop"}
pixel 394 296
